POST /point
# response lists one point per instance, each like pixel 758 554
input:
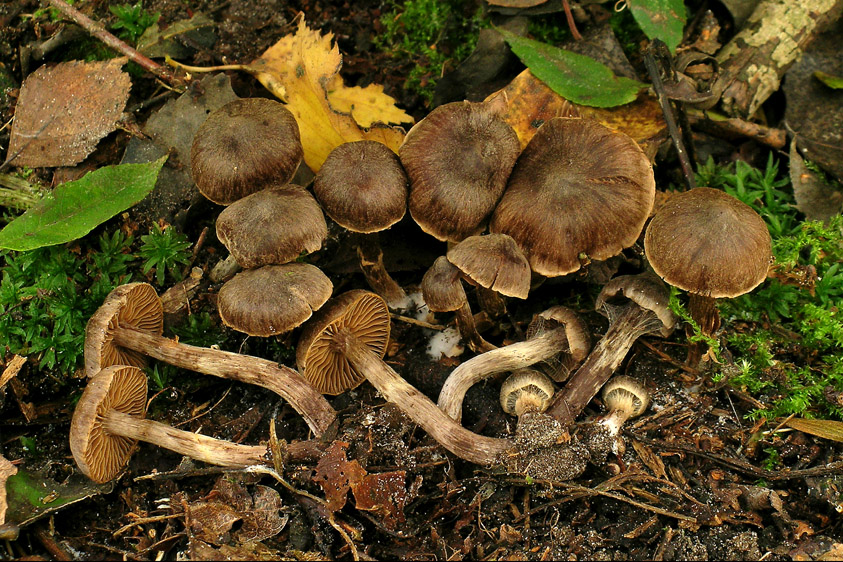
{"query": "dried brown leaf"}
pixel 6 469
pixel 384 494
pixel 335 474
pixel 64 110
pixel 211 521
pixel 263 519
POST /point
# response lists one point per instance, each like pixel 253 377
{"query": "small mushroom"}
pixel 458 159
pixel 363 188
pixel 564 332
pixel 636 305
pixel 624 398
pixel 710 244
pixel 346 339
pixel 243 147
pixel 273 226
pixel 578 191
pixel 525 391
pixel 127 325
pixel 110 419
pixel 273 299
pixel 443 292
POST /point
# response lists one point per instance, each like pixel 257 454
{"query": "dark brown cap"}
pixel 442 286
pixel 493 261
pixel 578 190
pixel 244 146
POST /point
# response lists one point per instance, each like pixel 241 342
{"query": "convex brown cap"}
pixel 244 146
pixel 493 261
pixel 100 454
pixel 133 305
pixel 706 242
pixel 365 315
pixel 458 159
pixel 272 226
pixel 273 299
pixel 578 188
pixel 362 186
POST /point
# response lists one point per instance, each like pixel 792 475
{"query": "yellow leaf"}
pixel 827 429
pixel 301 69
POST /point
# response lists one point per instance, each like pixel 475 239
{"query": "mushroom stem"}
pixel 483 366
pixel 468 330
pixel 199 447
pixel 632 323
pixel 284 381
pixel 371 263
pixel 450 434
pixel 704 312
pixel 491 301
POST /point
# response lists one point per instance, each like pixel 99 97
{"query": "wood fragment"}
pixel 12 369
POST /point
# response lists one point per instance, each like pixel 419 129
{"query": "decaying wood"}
pixel 773 37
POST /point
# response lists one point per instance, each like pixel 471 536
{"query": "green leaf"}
pixel 575 77
pixel 76 207
pixel 835 82
pixel 660 19
pixel 31 495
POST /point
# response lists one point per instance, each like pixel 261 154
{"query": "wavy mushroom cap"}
pixel 493 261
pixel 579 188
pixel 134 305
pixel 458 159
pixel 244 146
pixel 708 243
pixel 99 454
pixel 273 226
pixel 273 299
pixel 361 313
pixel 362 186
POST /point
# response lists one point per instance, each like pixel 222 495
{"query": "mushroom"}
pixel 110 419
pixel 443 292
pixel 273 299
pixel 636 305
pixel 458 159
pixel 710 244
pixel 624 398
pixel 578 191
pixel 363 188
pixel 127 327
pixel 563 332
pixel 496 264
pixel 273 226
pixel 243 147
pixel 526 390
pixel 345 341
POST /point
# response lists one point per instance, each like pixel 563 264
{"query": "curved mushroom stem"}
pixel 371 263
pixel 451 435
pixel 468 329
pixel 705 313
pixel 284 381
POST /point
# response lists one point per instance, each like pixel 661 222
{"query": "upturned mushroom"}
pixel 363 188
pixel 273 226
pixel 563 332
pixel 443 292
pixel 110 419
pixel 458 159
pixel 636 305
pixel 243 147
pixel 526 390
pixel 624 398
pixel 578 191
pixel 127 328
pixel 713 246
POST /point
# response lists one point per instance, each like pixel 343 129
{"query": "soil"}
pixel 686 484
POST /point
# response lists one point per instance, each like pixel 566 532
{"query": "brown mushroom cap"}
pixel 708 243
pixel 458 159
pixel 362 186
pixel 244 146
pixel 133 304
pixel 99 454
pixel 365 315
pixel 578 188
pixel 442 288
pixel 273 299
pixel 493 261
pixel 272 226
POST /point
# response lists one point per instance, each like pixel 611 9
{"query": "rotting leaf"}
pixel 660 19
pixel 827 429
pixel 814 198
pixel 834 82
pixel 336 474
pixel 384 494
pixel 575 77
pixel 7 469
pixel 76 207
pixel 156 42
pixel 263 519
pixel 211 521
pixel 64 110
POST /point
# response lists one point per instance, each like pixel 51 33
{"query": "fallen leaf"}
pixel 660 19
pixel 76 207
pixel 64 110
pixel 827 429
pixel 817 200
pixel 516 3
pixel 212 521
pixel 335 474
pixel 833 82
pixel 384 494
pixel 263 519
pixel 302 69
pixel 7 469
pixel 198 30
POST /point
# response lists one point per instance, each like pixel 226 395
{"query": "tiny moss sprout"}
pixel 164 249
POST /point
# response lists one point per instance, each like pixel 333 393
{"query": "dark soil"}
pixel 689 485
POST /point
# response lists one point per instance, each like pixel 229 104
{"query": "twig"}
pixel 413 321
pixel 569 17
pixel 719 123
pixel 97 30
